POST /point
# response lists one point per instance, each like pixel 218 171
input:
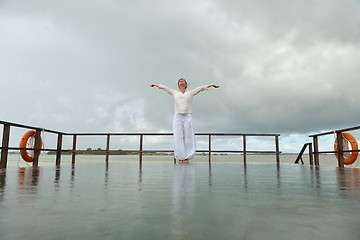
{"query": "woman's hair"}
pixel 184 80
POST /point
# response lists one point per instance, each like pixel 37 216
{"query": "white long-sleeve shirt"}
pixel 182 101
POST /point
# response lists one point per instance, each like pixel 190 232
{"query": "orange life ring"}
pixel 23 144
pixel 354 146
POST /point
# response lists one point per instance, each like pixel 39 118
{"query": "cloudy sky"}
pixel 288 67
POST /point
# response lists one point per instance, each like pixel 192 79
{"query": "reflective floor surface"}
pixel 183 201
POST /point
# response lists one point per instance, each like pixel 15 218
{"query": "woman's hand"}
pixel 153 85
pixel 214 85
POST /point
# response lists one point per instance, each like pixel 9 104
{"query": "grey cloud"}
pixel 283 66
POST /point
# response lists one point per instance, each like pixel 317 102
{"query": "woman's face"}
pixel 182 82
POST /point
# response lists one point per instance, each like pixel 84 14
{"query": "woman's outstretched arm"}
pixel 165 88
pixel 203 88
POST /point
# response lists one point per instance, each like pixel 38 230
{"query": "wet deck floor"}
pixel 187 201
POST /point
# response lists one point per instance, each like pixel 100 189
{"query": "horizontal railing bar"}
pixel 135 150
pixel 117 134
pixel 28 149
pixel 169 134
pixel 239 134
pixel 164 151
pixel 323 152
pixel 30 127
pixel 349 129
pixel 236 151
pixel 322 134
pixel 344 151
pixel 334 131
pixel 20 125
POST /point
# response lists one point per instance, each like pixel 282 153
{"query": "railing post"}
pixel 277 149
pixel 209 148
pixel 316 150
pixel 340 149
pixel 310 154
pixel 5 145
pixel 37 148
pixel 244 148
pixel 58 149
pixel 107 148
pixel 141 150
pixel 73 153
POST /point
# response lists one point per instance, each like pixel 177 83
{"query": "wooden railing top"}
pixel 132 134
pixel 335 131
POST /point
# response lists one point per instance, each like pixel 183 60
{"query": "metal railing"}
pixel 37 146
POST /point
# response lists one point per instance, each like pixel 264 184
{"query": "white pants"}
pixel 184 137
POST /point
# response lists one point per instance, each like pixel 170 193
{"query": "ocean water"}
pixel 162 200
pixel 14 160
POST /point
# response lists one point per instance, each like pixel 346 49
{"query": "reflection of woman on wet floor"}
pixel 184 137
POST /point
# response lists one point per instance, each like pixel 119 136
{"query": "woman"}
pixel 184 137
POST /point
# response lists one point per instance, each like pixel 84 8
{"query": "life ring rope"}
pixel 348 157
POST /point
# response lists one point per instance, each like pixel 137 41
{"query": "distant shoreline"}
pixel 135 152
